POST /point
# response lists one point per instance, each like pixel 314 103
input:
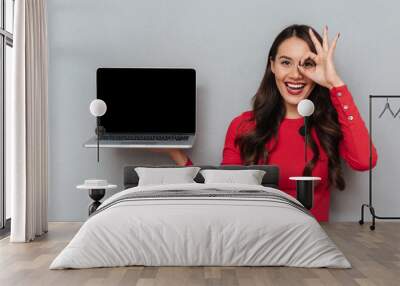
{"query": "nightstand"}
pixel 97 190
pixel 305 190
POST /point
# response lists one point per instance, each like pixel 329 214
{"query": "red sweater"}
pixel 289 152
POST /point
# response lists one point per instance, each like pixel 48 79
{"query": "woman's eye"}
pixel 285 63
pixel 309 64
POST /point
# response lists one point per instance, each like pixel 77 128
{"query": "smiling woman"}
pixel 300 65
pixel 292 85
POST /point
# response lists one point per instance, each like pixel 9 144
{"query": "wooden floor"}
pixel 374 255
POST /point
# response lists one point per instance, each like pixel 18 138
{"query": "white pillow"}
pixel 161 176
pixel 249 177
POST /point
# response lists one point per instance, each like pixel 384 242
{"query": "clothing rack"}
pixel 370 205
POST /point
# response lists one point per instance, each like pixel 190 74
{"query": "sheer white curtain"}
pixel 26 123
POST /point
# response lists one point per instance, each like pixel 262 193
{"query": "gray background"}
pixel 227 43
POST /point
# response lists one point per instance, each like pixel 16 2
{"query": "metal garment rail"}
pixel 370 206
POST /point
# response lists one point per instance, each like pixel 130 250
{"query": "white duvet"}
pixel 200 231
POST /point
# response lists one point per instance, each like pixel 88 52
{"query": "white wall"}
pixel 227 43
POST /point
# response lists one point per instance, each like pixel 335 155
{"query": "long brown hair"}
pixel 269 110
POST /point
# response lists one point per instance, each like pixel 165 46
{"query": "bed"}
pixel 201 224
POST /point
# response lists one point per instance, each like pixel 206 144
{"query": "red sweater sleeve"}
pixel 189 162
pixel 231 153
pixel 354 148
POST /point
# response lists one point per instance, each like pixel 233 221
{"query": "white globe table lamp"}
pixel 98 108
pixel 305 109
pixel 97 187
pixel 305 185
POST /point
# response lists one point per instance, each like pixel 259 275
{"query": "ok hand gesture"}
pixel 323 71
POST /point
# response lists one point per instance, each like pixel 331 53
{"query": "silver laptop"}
pixel 147 107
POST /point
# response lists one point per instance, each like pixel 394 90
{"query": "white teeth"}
pixel 295 85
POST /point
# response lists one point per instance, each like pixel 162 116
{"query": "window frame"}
pixel 6 39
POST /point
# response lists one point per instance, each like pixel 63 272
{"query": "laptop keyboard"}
pixel 145 137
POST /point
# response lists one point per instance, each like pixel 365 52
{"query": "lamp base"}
pixel 305 193
pixel 96 195
pixel 305 190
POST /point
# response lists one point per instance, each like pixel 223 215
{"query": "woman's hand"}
pixel 177 155
pixel 323 71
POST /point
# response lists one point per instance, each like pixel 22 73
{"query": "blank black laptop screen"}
pixel 148 100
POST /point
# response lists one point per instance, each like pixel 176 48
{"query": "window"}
pixel 6 45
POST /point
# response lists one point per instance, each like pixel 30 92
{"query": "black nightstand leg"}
pixel 96 195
